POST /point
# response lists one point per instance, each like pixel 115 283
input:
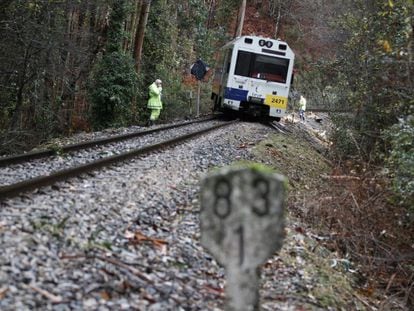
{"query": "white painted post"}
pixel 242 225
pixel 198 98
pixel 190 96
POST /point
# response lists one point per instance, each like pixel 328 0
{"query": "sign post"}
pixel 199 70
pixel 242 225
pixel 198 98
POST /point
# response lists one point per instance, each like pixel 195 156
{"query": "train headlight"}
pixel 268 44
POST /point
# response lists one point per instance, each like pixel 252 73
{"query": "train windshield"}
pixel 270 68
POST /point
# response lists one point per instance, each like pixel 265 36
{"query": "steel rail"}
pixel 328 110
pixel 91 143
pixel 33 183
pixel 280 128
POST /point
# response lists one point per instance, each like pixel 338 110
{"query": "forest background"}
pixel 69 65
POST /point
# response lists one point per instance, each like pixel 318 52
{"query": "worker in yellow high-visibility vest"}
pixel 302 107
pixel 154 101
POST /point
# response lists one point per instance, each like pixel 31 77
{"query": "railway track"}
pixel 24 165
pixel 4 161
pixel 278 127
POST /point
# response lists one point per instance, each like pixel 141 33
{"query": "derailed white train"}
pixel 253 75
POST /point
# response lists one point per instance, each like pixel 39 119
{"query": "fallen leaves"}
pixel 105 295
pixel 245 145
pixel 3 226
pixel 213 290
pixel 53 298
pixel 3 292
pixel 340 177
pixel 274 152
pixel 138 237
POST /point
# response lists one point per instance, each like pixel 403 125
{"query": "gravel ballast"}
pixel 127 237
pixel 47 165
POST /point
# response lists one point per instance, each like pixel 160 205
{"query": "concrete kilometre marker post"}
pixel 242 225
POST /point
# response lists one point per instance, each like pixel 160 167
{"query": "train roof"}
pixel 261 44
pixel 240 39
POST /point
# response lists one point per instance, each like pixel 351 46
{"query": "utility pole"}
pixel 279 15
pixel 242 12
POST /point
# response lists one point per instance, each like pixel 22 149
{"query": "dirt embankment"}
pixel 325 279
pixel 344 243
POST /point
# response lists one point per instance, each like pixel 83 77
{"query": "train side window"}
pixel 228 60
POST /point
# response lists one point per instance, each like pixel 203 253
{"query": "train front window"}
pixel 269 68
pixel 243 63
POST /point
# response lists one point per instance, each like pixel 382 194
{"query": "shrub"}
pixel 112 89
pixel 400 160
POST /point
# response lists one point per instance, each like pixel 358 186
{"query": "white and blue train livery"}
pixel 253 75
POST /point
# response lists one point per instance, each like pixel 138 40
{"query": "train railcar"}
pixel 253 76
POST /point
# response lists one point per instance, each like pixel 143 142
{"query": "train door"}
pixel 221 77
pixel 226 72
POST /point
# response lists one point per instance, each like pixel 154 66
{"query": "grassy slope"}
pixel 326 279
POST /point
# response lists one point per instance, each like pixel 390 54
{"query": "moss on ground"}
pixel 295 158
pixel 324 286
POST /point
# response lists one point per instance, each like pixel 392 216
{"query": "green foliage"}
pixel 207 39
pixel 371 76
pixel 162 57
pixel 345 138
pixel 111 90
pixel 46 48
pixel 113 82
pixel 50 50
pixel 315 86
pixel 226 9
pixel 400 160
pixel 176 34
pixel 116 33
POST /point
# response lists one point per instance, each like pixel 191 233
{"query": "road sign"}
pixel 242 225
pixel 199 69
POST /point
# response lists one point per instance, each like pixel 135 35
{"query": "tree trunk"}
pixel 410 49
pixel 16 116
pixel 211 13
pixel 4 4
pixel 278 17
pixel 131 27
pixel 139 37
pixel 242 12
